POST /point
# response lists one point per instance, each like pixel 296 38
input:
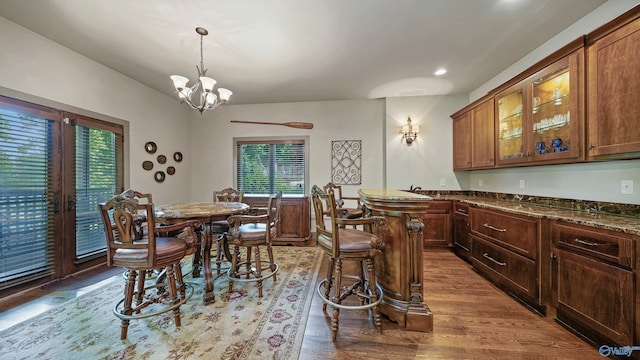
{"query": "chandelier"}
pixel 206 99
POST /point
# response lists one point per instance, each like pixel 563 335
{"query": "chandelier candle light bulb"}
pixel 208 99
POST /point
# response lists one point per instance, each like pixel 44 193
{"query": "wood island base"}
pixel 408 317
pixel 399 269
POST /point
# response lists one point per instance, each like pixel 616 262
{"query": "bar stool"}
pixel 252 232
pixel 346 244
pixel 139 251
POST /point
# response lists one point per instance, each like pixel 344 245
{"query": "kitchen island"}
pixel 400 272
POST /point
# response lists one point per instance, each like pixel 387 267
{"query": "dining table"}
pixel 205 213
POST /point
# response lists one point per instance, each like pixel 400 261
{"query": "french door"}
pixel 55 168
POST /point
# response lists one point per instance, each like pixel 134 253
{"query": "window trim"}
pixel 273 140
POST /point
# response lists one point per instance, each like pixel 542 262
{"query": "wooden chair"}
pixel 221 227
pixel 139 251
pixel 251 232
pixel 342 210
pixel 228 195
pixel 341 243
pixel 140 198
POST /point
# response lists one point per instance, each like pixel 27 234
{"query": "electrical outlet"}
pixel 443 182
pixel 480 183
pixel 626 187
pixel 521 184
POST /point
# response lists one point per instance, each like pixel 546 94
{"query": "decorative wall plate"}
pixel 147 165
pixel 150 147
pixel 171 170
pixel 159 176
pixel 162 159
pixel 177 156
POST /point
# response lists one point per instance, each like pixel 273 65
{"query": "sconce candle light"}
pixel 410 132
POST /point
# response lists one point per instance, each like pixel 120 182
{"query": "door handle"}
pixel 71 203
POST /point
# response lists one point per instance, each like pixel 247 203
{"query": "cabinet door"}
pixel 483 138
pixel 295 221
pixel 614 89
pixel 437 225
pixel 462 142
pixel 598 296
pixel 510 125
pixel 461 242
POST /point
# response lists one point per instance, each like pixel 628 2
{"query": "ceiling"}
pixel 304 50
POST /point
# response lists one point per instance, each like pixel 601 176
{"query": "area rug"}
pixel 239 325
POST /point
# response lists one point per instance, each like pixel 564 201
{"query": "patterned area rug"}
pixel 237 326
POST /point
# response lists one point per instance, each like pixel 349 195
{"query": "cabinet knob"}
pixel 553 256
pixel 591 146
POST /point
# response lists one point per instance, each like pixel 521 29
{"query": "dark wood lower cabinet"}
pixel 437 225
pixel 593 285
pixel 461 240
pixel 595 297
pixel 296 219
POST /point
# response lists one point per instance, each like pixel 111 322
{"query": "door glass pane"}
pixel 510 126
pixel 551 115
pixel 95 183
pixel 26 219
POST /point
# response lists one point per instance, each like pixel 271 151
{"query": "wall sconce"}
pixel 410 132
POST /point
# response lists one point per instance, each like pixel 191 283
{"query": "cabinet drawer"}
pixel 517 233
pixel 439 207
pixel 460 209
pixel 505 267
pixel 609 246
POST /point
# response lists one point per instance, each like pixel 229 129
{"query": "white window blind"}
pixel 266 166
pixel 26 225
pixel 96 174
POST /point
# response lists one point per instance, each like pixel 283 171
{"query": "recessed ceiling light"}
pixel 440 71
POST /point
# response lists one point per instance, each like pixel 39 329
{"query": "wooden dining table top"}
pixel 200 210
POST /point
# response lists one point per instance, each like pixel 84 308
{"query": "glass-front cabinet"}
pixel 540 119
pixel 511 146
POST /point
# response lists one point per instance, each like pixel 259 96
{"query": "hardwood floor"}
pixel 472 320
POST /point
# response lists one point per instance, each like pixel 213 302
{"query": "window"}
pixel 264 166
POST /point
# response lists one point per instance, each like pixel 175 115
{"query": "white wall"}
pixel 212 139
pixel 592 181
pixel 428 160
pixel 33 68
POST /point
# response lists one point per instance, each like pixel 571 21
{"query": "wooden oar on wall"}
pixel 297 125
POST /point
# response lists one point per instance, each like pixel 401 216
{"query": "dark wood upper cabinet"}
pixel 613 80
pixel 473 136
pixel 483 140
pixel 541 119
pixel 462 141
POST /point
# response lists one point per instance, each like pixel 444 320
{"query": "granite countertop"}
pixel 618 223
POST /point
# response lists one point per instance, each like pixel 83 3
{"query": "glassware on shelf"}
pixel 536 104
pixel 557 96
